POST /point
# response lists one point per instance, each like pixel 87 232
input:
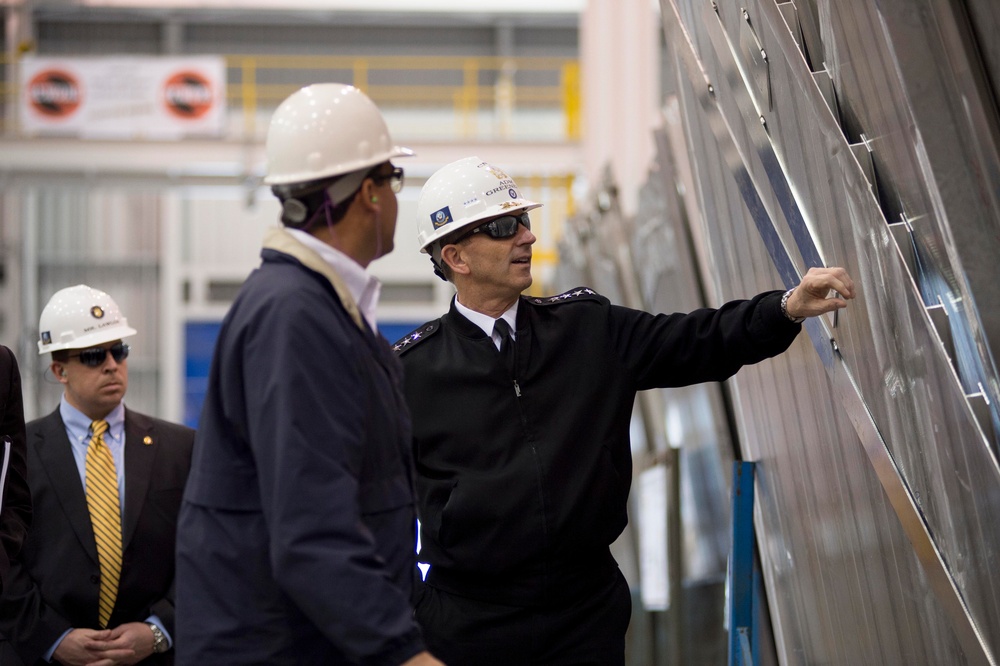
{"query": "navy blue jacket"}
pixel 297 531
pixel 522 488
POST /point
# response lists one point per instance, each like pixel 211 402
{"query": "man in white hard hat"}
pixel 94 580
pixel 297 532
pixel 521 409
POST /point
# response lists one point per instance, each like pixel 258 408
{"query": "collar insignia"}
pixel 414 337
pixel 579 293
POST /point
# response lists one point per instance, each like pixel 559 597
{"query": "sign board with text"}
pixel 123 97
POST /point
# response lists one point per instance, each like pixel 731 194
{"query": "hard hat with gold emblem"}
pixel 80 317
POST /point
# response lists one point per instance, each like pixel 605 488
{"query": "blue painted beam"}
pixel 743 576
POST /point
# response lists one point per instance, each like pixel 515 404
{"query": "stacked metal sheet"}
pixel 863 134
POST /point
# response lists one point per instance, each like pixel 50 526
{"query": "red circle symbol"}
pixel 188 95
pixel 55 93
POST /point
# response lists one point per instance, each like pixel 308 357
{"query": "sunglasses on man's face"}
pixel 95 356
pixel 501 227
pixel 395 178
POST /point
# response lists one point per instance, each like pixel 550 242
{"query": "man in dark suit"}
pixel 94 581
pixel 15 511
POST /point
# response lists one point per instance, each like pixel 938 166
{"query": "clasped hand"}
pixel 126 644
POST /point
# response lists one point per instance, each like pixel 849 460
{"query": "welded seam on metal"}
pixel 899 494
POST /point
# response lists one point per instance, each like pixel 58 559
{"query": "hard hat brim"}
pixel 340 168
pixel 89 340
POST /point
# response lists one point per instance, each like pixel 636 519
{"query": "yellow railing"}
pixel 467 95
pixel 473 88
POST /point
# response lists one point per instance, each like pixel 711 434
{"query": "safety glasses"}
pixel 95 356
pixel 395 178
pixel 501 227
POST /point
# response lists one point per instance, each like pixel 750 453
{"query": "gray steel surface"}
pixel 878 487
pixel 598 248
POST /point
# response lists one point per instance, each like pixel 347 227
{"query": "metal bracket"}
pixel 902 234
pixel 756 57
pixel 863 153
pixel 980 405
pixel 824 82
pixel 791 15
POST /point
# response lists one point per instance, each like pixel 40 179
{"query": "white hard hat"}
pixel 462 193
pixel 325 130
pixel 80 317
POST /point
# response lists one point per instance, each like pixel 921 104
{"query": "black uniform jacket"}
pixel 522 481
pixel 55 582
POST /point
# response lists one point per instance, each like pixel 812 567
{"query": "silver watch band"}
pixel 784 308
pixel 159 640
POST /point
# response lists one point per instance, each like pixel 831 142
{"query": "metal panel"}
pixel 878 489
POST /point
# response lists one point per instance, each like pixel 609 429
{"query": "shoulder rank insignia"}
pixel 415 336
pixel 579 293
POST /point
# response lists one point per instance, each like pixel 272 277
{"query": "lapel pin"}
pixel 147 440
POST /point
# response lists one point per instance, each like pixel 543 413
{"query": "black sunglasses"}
pixel 95 356
pixel 500 227
pixel 395 178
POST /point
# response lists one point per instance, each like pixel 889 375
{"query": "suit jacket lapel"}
pixel 140 452
pixel 56 453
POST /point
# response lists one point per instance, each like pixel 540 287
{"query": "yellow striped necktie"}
pixel 105 516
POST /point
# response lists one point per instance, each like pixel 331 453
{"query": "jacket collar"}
pixel 486 322
pixel 54 450
pixel 281 241
pixel 470 329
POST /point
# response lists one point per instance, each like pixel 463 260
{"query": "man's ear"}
pixel 452 255
pixel 59 371
pixel 367 194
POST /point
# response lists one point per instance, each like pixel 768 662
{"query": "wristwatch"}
pixel 159 640
pixel 784 308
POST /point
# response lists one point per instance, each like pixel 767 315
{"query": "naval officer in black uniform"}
pixel 521 409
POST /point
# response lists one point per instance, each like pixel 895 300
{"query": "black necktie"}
pixel 502 329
